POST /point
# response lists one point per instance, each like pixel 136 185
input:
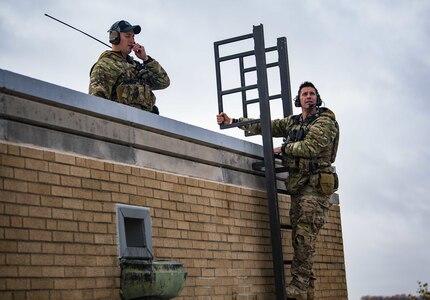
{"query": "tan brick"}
pixel 99 175
pixel 59 168
pixel 36 164
pixel 17 284
pixel 42 260
pixel 49 178
pixel 54 271
pixel 8 271
pixel 15 185
pixel 60 236
pixel 74 249
pixel 3 147
pixel 17 259
pixel 102 217
pixel 93 206
pixel 13 149
pixel 97 228
pixel 128 189
pixel 147 173
pixel 109 186
pixel 62 214
pixel 151 183
pixel 62 284
pixel 12 161
pixel 117 177
pixel 65 159
pixel 28 199
pixel 85 283
pixel 71 181
pixel 4 221
pixel 51 201
pixel 61 191
pixel 42 212
pixel 82 216
pixel 40 235
pixel 87 238
pixel 37 223
pixel 105 283
pixel 39 188
pixel 95 164
pixel 33 153
pixel 108 166
pixel 73 203
pixel 80 172
pixel 135 180
pixel 65 260
pixel 16 234
pixel 21 174
pixel 75 272
pixel 91 184
pixel 14 209
pixel 29 271
pixel 67 225
pixel 52 248
pixel 42 284
pixel 101 196
pixel 94 272
pixel 122 169
pixel 103 239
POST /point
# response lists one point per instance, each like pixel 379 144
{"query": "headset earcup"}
pixel 114 37
pixel 297 101
pixel 319 100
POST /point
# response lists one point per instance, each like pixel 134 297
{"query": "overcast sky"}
pixel 369 59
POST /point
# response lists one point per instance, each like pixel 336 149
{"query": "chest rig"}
pixel 297 133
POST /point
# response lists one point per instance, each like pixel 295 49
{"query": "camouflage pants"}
pixel 309 210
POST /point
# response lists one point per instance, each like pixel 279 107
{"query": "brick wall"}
pixel 58 231
pixel 66 160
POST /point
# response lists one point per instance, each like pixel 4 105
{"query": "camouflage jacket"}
pixel 126 80
pixel 310 146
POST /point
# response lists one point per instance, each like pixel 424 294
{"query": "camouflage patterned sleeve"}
pixel 321 134
pixel 158 79
pixel 102 79
pixel 279 127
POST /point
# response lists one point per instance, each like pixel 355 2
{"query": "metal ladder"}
pixel 268 166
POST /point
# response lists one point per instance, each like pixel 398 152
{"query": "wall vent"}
pixel 134 232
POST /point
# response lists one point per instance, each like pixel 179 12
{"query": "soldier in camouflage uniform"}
pixel 116 76
pixel 309 149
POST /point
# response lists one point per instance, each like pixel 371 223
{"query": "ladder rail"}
pixel 268 165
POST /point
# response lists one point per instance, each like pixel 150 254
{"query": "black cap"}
pixel 124 26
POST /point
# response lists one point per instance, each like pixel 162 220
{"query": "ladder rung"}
pixel 288 262
pixel 286 226
pixel 280 191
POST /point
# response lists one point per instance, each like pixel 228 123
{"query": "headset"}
pixel 114 36
pixel 307 84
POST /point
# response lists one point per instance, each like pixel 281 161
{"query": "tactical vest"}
pixel 128 80
pixel 326 157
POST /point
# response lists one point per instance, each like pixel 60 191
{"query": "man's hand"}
pixel 277 150
pixel 140 52
pixel 223 118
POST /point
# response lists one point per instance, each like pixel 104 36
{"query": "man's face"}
pixel 126 43
pixel 308 97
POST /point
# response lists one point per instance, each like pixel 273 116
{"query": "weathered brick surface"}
pixel 58 231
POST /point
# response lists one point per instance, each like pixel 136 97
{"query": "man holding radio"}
pixel 118 77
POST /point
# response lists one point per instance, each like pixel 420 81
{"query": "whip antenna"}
pixel 78 30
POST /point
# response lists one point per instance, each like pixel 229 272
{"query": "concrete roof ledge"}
pixel 47 115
